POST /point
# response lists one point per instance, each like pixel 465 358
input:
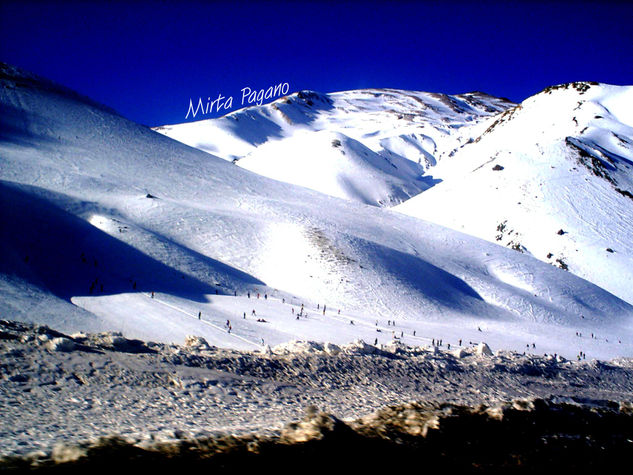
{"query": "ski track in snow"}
pixel 203 321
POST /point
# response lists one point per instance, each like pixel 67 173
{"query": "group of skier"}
pixel 301 312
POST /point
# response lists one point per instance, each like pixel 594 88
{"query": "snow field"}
pixel 103 212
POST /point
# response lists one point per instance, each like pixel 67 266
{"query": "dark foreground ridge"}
pixel 514 437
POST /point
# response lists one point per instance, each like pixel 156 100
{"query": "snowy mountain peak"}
pixel 310 97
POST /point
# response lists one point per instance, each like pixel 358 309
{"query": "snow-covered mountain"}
pixel 552 178
pixel 107 224
pixel 374 145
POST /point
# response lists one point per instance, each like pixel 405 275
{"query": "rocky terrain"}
pixel 65 399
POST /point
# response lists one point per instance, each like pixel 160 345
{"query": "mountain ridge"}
pixel 394 126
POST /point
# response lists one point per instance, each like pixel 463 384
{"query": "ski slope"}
pixel 108 225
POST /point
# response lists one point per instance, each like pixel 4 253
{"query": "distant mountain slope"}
pixel 551 177
pixel 107 224
pixel 347 143
pixel 338 165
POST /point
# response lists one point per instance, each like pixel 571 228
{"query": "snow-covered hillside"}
pixel 373 145
pixel 552 178
pixel 108 225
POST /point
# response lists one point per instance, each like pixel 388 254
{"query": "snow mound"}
pixel 303 347
pixel 359 347
pixel 196 342
pixel 484 350
pixel 298 347
pixel 460 353
pixel 61 344
pixel 396 346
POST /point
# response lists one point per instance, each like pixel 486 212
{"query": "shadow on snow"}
pixel 54 249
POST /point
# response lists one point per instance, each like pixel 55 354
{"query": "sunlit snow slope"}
pixel 373 145
pixel 553 178
pixel 107 224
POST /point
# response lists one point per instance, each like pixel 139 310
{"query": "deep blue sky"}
pixel 147 59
